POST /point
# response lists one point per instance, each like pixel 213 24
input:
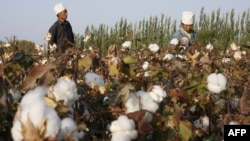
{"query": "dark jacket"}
pixel 61 33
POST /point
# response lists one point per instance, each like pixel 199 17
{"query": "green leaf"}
pixel 185 130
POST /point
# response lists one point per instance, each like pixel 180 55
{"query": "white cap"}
pixel 187 18
pixel 59 8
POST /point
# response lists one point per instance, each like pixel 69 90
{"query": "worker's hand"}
pixel 184 41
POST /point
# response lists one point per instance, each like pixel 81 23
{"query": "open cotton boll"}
pixel 35 112
pixel 126 123
pixel 68 126
pixel 216 82
pixel 214 88
pixel 52 123
pixel 147 102
pixel 65 89
pixel 120 136
pixel 168 57
pixel 174 41
pixel 16 131
pixel 159 91
pixel 92 77
pixel 209 46
pixel 222 80
pixel 155 97
pixel 153 47
pixel 126 45
pixel 145 65
pixel 115 126
pixel 34 95
pixel 132 104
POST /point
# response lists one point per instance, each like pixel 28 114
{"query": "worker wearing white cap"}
pixel 61 31
pixel 185 35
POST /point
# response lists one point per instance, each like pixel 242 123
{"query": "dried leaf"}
pixel 29 132
pixel 114 69
pixel 85 63
pixel 36 73
pixel 124 92
pixel 244 105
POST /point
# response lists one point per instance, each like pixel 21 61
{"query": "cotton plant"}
pixel 216 82
pixel 123 129
pixel 33 112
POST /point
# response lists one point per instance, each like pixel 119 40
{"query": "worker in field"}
pixel 185 35
pixel 61 33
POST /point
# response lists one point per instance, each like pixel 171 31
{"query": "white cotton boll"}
pixel 159 91
pixel 174 41
pixel 125 123
pixel 115 126
pixel 65 89
pixel 93 78
pixel 36 114
pixel 168 57
pixel 226 60
pixel 209 46
pixel 180 56
pixel 16 131
pixel 153 47
pixel 147 102
pixel 119 136
pixel 222 81
pixel 214 88
pixel 132 104
pixel 216 82
pixel 243 52
pixel 232 122
pixel 67 126
pixel 52 124
pixel 145 65
pixel 33 95
pixel 212 78
pixel 147 73
pixel 132 134
pixel 126 45
pixel 154 96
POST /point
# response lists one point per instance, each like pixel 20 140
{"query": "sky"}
pixel 31 19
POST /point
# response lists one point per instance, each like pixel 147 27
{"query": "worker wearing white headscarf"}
pixel 185 34
pixel 61 31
